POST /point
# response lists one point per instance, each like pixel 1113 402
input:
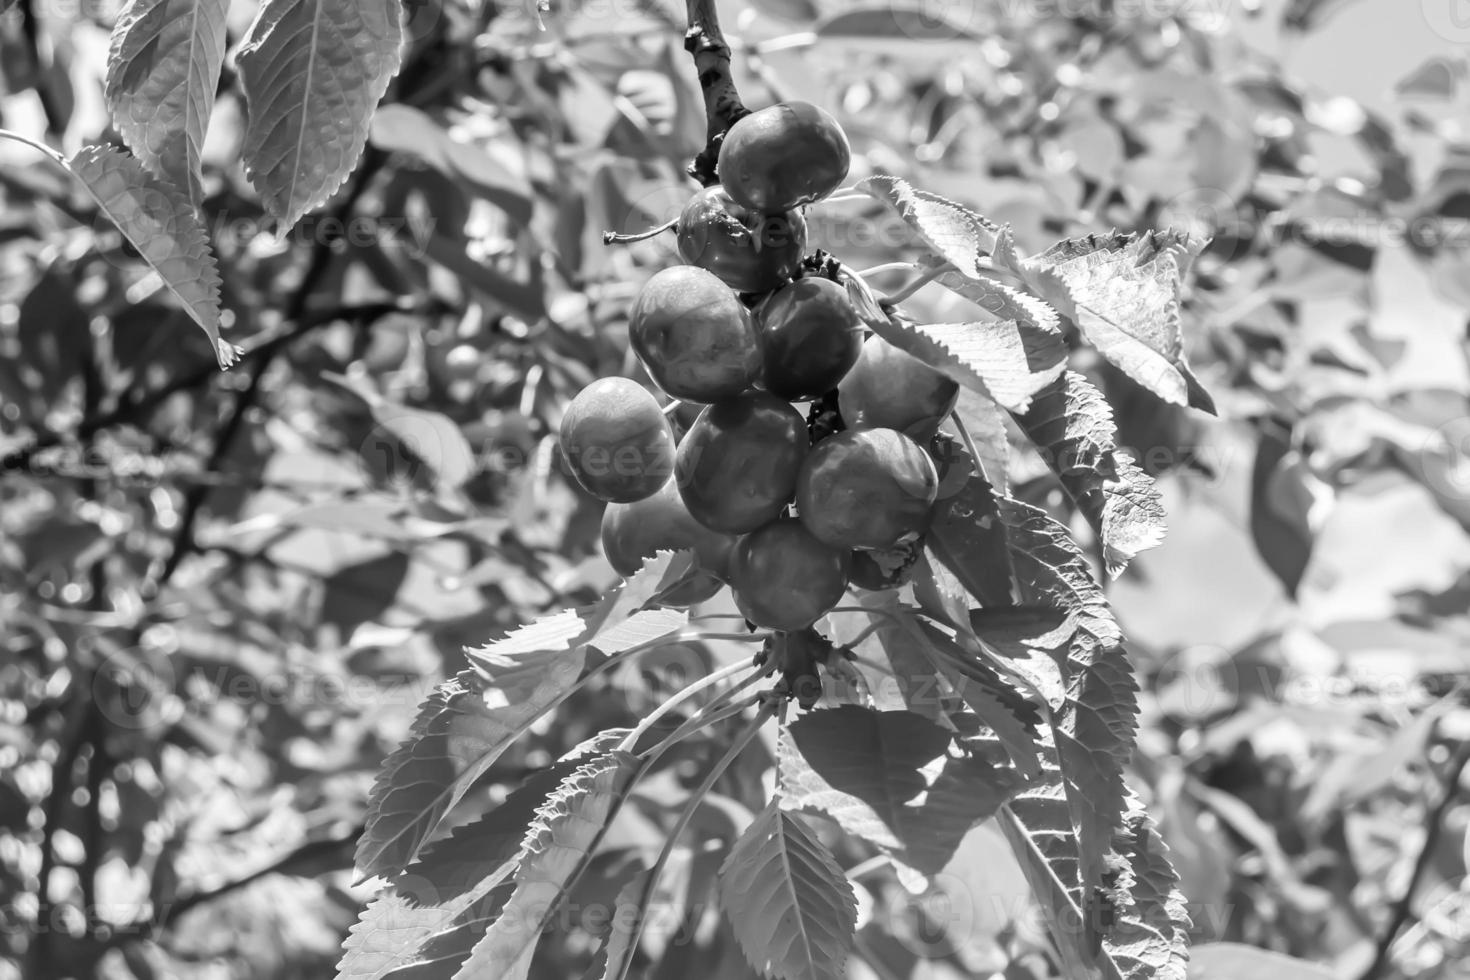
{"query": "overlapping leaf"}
pixel 966 533
pixel 434 912
pixel 556 849
pixel 1072 426
pixel 1123 292
pixel 157 219
pixel 1094 729
pixel 313 72
pixel 162 70
pixel 1138 931
pixel 470 720
pixel 792 908
pixel 887 777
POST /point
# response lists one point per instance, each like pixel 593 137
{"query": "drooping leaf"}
pixel 1094 729
pixel 888 777
pixel 1136 932
pixel 470 720
pixel 1072 427
pixel 556 850
pixel 162 70
pixel 954 232
pixel 1123 292
pixel 792 908
pixel 431 915
pixel 313 72
pixel 157 219
pixel 1281 507
pixel 404 129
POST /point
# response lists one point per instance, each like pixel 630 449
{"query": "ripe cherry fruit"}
pixel 737 464
pixel 751 252
pixel 866 488
pixel 698 342
pixel 783 156
pixel 889 388
pixel 616 441
pixel 632 533
pixel 811 337
pixel 785 579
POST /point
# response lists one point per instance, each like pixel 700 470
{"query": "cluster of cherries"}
pixel 742 332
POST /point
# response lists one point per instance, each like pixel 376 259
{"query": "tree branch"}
pixel 722 105
pixel 1434 826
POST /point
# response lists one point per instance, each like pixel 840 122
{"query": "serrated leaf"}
pixel 955 233
pixel 313 72
pixel 1143 935
pixel 792 909
pixel 557 847
pixel 157 219
pixel 1123 292
pixel 433 913
pixel 1005 360
pixel 888 777
pixel 163 67
pixel 1094 729
pixel 1072 427
pixel 469 721
pixel 984 423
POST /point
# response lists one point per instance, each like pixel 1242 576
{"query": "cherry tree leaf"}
pixel 1123 292
pixel 434 912
pixel 313 72
pixel 954 232
pixel 470 720
pixel 556 850
pixel 1005 360
pixel 157 219
pixel 792 908
pixel 966 533
pixel 162 70
pixel 888 777
pixel 1072 427
pixel 1146 921
pixel 1095 727
pixel 1227 961
pixel 432 437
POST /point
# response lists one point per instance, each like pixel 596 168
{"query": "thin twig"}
pixel 1434 828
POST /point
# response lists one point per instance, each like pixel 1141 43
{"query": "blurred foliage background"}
pixel 222 596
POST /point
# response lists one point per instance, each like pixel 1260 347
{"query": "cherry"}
pixel 737 464
pixel 811 337
pixel 784 578
pixel 698 342
pixel 783 156
pixel 637 531
pixel 616 441
pixel 890 388
pixel 866 488
pixel 751 252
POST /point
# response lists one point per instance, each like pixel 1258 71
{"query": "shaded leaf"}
pixel 966 533
pixel 157 219
pixel 1123 292
pixel 313 72
pixel 429 436
pixel 619 950
pixel 888 777
pixel 1281 506
pixel 1072 427
pixel 792 908
pixel 162 71
pixel 1228 961
pixel 556 849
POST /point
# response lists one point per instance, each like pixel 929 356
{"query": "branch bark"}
pixel 722 106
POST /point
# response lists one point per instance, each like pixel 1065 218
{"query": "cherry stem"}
pixel 645 894
pixel 614 238
pixel 879 270
pixel 35 145
pixel 959 425
pixel 671 408
pixel 916 284
pixel 651 719
pixel 722 106
pixel 719 709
